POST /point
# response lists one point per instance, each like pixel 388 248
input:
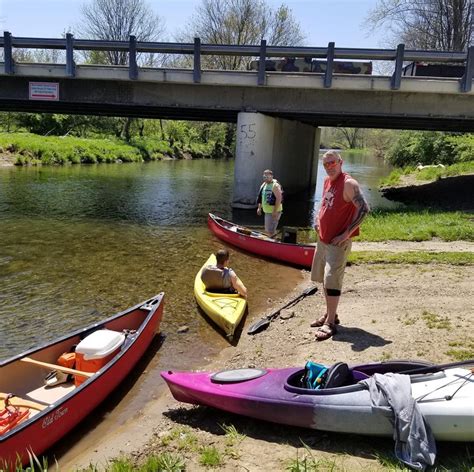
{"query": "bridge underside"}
pixel 349 120
pixel 375 107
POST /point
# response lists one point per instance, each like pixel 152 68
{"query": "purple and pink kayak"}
pixel 277 395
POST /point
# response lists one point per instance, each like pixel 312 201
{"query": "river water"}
pixel 79 243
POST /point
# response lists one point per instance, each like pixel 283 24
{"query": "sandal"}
pixel 325 332
pixel 320 321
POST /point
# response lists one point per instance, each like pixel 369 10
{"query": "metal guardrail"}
pixel 263 51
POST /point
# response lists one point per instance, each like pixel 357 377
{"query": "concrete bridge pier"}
pixel 289 148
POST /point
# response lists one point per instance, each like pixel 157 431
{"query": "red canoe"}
pixel 259 243
pixel 37 416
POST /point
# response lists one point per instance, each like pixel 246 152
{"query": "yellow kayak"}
pixel 225 309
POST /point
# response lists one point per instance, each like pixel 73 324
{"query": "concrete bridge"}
pixel 277 114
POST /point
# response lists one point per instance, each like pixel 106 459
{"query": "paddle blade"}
pixel 259 326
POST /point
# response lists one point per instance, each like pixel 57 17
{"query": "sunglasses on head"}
pixel 330 164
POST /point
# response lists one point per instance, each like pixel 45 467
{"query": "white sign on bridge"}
pixel 44 91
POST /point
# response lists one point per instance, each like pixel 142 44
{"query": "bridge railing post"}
pixel 466 80
pixel 329 65
pixel 132 58
pixel 197 61
pixel 8 53
pixel 261 62
pixel 70 64
pixel 397 73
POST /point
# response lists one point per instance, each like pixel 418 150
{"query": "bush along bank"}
pixel 32 149
pixel 429 156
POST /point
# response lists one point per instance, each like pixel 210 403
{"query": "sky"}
pixel 322 21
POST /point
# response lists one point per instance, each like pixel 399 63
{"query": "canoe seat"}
pixel 20 402
pixel 49 395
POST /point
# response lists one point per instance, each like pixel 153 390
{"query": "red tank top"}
pixel 335 214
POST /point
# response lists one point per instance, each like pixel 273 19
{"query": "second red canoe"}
pixel 258 243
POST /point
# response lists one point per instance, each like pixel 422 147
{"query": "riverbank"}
pixel 31 149
pixel 387 312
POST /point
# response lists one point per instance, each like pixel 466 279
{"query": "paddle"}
pixel 437 367
pixel 264 322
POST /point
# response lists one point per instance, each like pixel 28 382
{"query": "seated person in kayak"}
pixel 222 279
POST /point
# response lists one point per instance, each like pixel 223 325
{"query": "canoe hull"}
pixel 48 426
pixel 296 254
pixel 349 411
pixel 225 310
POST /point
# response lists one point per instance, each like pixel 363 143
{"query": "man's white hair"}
pixel 332 154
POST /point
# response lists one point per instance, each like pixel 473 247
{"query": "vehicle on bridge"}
pixel 426 69
pixel 307 64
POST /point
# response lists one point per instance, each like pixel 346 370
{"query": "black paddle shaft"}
pixel 264 322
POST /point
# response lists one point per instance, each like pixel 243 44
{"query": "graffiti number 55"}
pixel 248 131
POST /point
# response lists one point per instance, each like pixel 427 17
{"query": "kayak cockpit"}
pixel 340 378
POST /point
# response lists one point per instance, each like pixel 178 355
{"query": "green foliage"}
pixel 210 456
pixel 430 147
pixel 33 149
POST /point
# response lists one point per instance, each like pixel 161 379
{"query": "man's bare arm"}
pixel 362 206
pixel 353 194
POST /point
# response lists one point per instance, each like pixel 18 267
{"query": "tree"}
pixel 349 137
pixel 241 22
pixel 427 24
pixel 116 20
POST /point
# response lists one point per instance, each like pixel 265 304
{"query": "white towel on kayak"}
pixel 390 395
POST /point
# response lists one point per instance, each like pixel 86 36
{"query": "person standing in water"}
pixel 269 200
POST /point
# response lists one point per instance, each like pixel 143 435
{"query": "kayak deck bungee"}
pixel 277 395
pixel 258 243
pixel 226 310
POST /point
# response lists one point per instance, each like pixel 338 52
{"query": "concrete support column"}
pixel 315 162
pixel 287 147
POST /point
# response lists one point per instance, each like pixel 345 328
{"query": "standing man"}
pixel 343 207
pixel 269 199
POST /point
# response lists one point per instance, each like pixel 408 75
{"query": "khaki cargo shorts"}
pixel 329 264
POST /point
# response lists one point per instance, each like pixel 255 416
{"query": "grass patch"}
pixel 232 440
pixel 183 439
pixel 412 257
pixel 309 463
pixel 409 224
pixel 416 224
pixel 395 177
pixel 429 174
pixel 210 457
pixel 461 351
pixel 33 149
pixel 385 356
pixel 434 321
pixel 436 173
pixel 407 321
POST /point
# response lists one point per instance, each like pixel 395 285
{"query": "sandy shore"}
pixel 386 312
